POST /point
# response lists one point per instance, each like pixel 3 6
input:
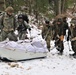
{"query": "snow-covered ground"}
pixel 53 64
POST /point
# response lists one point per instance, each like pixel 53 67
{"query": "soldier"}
pixel 66 27
pixel 22 27
pixel 59 35
pixel 7 25
pixel 73 21
pixel 73 37
pixel 47 33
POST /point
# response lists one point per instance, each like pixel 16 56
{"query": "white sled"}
pixel 20 55
pixel 14 54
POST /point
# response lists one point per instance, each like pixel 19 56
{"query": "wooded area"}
pixel 46 7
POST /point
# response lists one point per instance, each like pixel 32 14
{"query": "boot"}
pixel 49 49
pixel 74 55
pixel 60 53
pixel 58 48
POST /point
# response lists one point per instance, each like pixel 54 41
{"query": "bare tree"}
pixel 59 6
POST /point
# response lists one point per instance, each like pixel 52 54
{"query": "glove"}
pixel 16 32
pixel 61 37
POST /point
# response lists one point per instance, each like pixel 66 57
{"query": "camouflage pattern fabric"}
pixel 47 34
pixel 73 35
pixel 7 25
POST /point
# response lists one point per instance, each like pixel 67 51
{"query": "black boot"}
pixel 49 49
pixel 74 55
pixel 60 53
pixel 58 48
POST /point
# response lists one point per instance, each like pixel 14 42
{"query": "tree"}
pixel 2 4
pixel 59 6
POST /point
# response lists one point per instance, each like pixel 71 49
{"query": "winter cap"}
pixel 9 9
pixel 59 20
pixel 20 16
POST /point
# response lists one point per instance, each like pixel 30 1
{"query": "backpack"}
pixel 25 17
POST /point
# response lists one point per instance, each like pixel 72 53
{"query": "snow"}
pixel 68 20
pixel 53 64
pixel 27 45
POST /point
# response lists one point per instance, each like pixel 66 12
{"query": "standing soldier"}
pixel 59 35
pixel 47 33
pixel 73 36
pixel 22 27
pixel 7 25
pixel 66 27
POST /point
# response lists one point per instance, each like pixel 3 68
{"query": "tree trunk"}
pixel 64 6
pixel 57 6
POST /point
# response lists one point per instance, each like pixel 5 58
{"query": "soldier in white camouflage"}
pixel 73 36
pixel 7 25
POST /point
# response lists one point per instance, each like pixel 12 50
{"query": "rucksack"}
pixel 25 17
